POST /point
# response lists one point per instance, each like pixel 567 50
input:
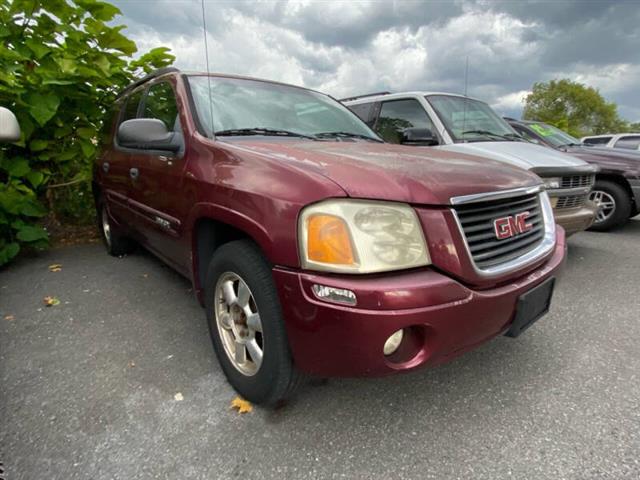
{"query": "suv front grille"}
pixel 577 181
pixel 477 222
pixel 573 201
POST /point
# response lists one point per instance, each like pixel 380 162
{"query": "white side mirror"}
pixel 9 127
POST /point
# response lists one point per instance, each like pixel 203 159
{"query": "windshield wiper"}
pixel 512 137
pixel 570 144
pixel 271 132
pixel 346 135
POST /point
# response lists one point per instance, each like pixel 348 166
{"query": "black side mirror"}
pixel 418 136
pixel 148 134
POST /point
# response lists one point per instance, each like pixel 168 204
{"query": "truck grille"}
pixel 573 201
pixel 577 181
pixel 476 220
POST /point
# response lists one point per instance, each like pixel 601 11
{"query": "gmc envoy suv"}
pixel 456 123
pixel 314 247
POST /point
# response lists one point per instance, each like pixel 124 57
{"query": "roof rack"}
pixel 348 99
pixel 149 76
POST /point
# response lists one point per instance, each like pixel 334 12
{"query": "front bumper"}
pixel 575 220
pixel 443 317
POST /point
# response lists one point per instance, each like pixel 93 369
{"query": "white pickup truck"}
pixel 462 124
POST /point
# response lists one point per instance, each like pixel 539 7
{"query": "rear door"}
pixel 157 197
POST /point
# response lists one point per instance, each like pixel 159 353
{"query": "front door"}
pixel 157 199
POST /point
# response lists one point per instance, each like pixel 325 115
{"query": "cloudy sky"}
pixel 351 47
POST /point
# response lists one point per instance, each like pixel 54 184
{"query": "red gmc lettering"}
pixel 507 227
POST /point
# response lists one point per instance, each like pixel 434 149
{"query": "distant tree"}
pixel 573 107
pixel 61 67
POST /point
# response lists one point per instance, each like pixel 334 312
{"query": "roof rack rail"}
pixel 348 99
pixel 149 76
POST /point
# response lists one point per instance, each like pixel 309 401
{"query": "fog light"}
pixel 393 342
pixel 337 295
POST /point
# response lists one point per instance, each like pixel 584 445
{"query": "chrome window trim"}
pixel 488 196
pixel 542 250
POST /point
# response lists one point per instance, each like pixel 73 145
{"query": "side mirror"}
pixel 418 136
pixel 148 134
pixel 9 127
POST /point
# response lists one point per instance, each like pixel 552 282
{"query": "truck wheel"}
pixel 115 243
pixel 246 324
pixel 614 205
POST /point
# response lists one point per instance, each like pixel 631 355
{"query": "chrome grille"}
pixel 476 220
pixel 573 201
pixel 577 181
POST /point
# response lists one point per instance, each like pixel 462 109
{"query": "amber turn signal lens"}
pixel 328 240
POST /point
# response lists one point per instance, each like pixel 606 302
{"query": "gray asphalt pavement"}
pixel 87 387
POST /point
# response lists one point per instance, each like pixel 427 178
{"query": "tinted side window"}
pixel 131 105
pixel 597 141
pixel 363 110
pixel 397 115
pixel 161 104
pixel 630 142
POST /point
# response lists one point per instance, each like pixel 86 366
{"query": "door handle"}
pixel 134 173
pixel 105 167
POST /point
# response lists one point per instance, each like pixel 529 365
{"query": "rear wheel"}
pixel 246 324
pixel 614 205
pixel 115 243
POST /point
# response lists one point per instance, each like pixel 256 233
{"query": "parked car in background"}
pixel 455 123
pixel 627 141
pixel 9 127
pixel 617 187
pixel 314 246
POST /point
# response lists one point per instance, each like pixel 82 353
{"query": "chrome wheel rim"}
pixel 106 228
pixel 239 324
pixel 606 205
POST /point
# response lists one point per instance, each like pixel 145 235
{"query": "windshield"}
pixel 553 135
pixel 469 120
pixel 261 108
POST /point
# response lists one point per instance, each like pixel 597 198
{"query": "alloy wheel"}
pixel 106 227
pixel 606 205
pixel 239 324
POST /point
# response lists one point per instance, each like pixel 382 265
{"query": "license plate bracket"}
pixel 531 306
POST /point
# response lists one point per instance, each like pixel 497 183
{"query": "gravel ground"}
pixel 88 386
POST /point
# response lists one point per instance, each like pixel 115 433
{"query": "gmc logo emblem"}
pixel 507 227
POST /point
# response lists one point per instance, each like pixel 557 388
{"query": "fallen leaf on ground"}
pixel 178 396
pixel 9 317
pixel 51 301
pixel 132 364
pixel 242 405
pixel 56 267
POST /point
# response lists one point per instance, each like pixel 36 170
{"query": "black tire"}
pixel 276 378
pixel 622 207
pixel 116 244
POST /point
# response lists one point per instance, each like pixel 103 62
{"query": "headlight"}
pixel 359 236
pixel 552 182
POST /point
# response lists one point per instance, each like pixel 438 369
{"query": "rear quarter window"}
pixel 630 142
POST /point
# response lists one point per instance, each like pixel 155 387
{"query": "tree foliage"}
pixel 61 66
pixel 573 107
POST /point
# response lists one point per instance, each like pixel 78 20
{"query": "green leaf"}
pixel 35 178
pixel 42 107
pixel 9 251
pixel 86 133
pixel 38 145
pixel 32 209
pixel 16 166
pixel 38 48
pixel 30 233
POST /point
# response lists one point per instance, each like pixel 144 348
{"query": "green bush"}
pixel 61 67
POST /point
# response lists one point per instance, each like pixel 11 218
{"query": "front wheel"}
pixel 246 324
pixel 614 205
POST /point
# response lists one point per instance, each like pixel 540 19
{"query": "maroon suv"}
pixel 315 247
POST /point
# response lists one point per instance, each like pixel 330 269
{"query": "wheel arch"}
pixel 212 226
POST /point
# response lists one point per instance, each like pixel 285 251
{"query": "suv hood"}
pixel 521 154
pixel 620 162
pixel 392 172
